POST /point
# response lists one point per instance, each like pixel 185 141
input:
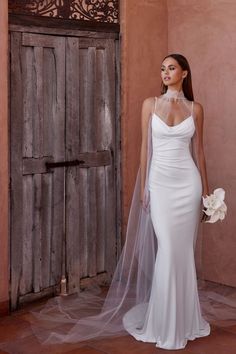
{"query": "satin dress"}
pixel 173 315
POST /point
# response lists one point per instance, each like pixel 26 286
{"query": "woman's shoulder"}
pixel 148 105
pixel 197 105
pixel 147 109
pixel 148 102
pixel 198 113
pixel 198 109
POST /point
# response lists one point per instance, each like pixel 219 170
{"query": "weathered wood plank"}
pixel 83 224
pixel 58 111
pixel 39 41
pixel 101 220
pixel 29 298
pixel 83 173
pixel 46 210
pixel 95 159
pixel 37 234
pixel 51 145
pixel 92 222
pixel 117 151
pixel 49 98
pixel 63 32
pixel 28 101
pixel 100 144
pixel 111 211
pixel 91 159
pixel 72 94
pixel 82 178
pixel 38 103
pixel 59 26
pixel 58 152
pixel 91 146
pixel 72 265
pixel 57 226
pixel 97 43
pixel 16 110
pixel 27 255
pixel 72 230
pixel 35 165
pixel 83 123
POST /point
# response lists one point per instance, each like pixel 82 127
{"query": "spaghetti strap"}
pixel 155 103
pixel 192 108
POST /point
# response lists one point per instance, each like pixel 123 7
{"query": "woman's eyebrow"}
pixel 163 66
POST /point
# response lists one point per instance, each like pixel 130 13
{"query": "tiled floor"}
pixel 16 331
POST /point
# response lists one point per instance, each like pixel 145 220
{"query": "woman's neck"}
pixel 174 93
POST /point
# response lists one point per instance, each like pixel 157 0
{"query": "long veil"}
pixel 132 280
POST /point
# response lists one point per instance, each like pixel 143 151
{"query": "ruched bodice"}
pixel 171 141
pixel 172 165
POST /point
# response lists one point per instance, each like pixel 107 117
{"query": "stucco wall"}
pixel 4 180
pixel 205 31
pixel 144 43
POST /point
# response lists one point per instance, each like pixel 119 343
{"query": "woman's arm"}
pixel 146 111
pixel 200 149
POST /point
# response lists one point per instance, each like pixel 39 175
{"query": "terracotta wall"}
pixel 205 31
pixel 144 44
pixel 4 159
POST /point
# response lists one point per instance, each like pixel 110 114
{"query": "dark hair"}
pixel 187 82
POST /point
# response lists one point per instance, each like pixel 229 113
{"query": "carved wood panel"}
pixel 93 10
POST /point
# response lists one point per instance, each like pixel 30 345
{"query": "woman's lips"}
pixel 167 78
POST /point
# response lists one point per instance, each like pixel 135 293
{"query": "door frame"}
pixel 78 28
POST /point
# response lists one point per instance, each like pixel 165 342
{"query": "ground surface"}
pixel 17 326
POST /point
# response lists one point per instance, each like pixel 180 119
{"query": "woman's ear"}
pixel 185 73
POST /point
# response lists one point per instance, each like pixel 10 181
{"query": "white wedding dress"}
pixel 173 315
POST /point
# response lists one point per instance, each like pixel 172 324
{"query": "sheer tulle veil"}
pixel 132 280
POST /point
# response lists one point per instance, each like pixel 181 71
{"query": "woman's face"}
pixel 171 72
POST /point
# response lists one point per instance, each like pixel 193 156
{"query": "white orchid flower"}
pixel 219 193
pixel 219 214
pixel 215 206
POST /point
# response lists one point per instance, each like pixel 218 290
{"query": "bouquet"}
pixel 214 205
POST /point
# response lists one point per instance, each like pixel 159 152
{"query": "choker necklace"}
pixel 174 94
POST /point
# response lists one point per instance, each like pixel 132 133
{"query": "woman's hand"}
pixel 144 201
pixel 204 216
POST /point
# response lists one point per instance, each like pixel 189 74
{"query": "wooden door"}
pixel 63 163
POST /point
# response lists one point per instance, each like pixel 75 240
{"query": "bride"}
pixel 172 315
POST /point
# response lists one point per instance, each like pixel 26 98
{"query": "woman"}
pixel 172 315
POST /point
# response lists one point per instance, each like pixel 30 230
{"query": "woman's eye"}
pixel 162 69
pixel 172 68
